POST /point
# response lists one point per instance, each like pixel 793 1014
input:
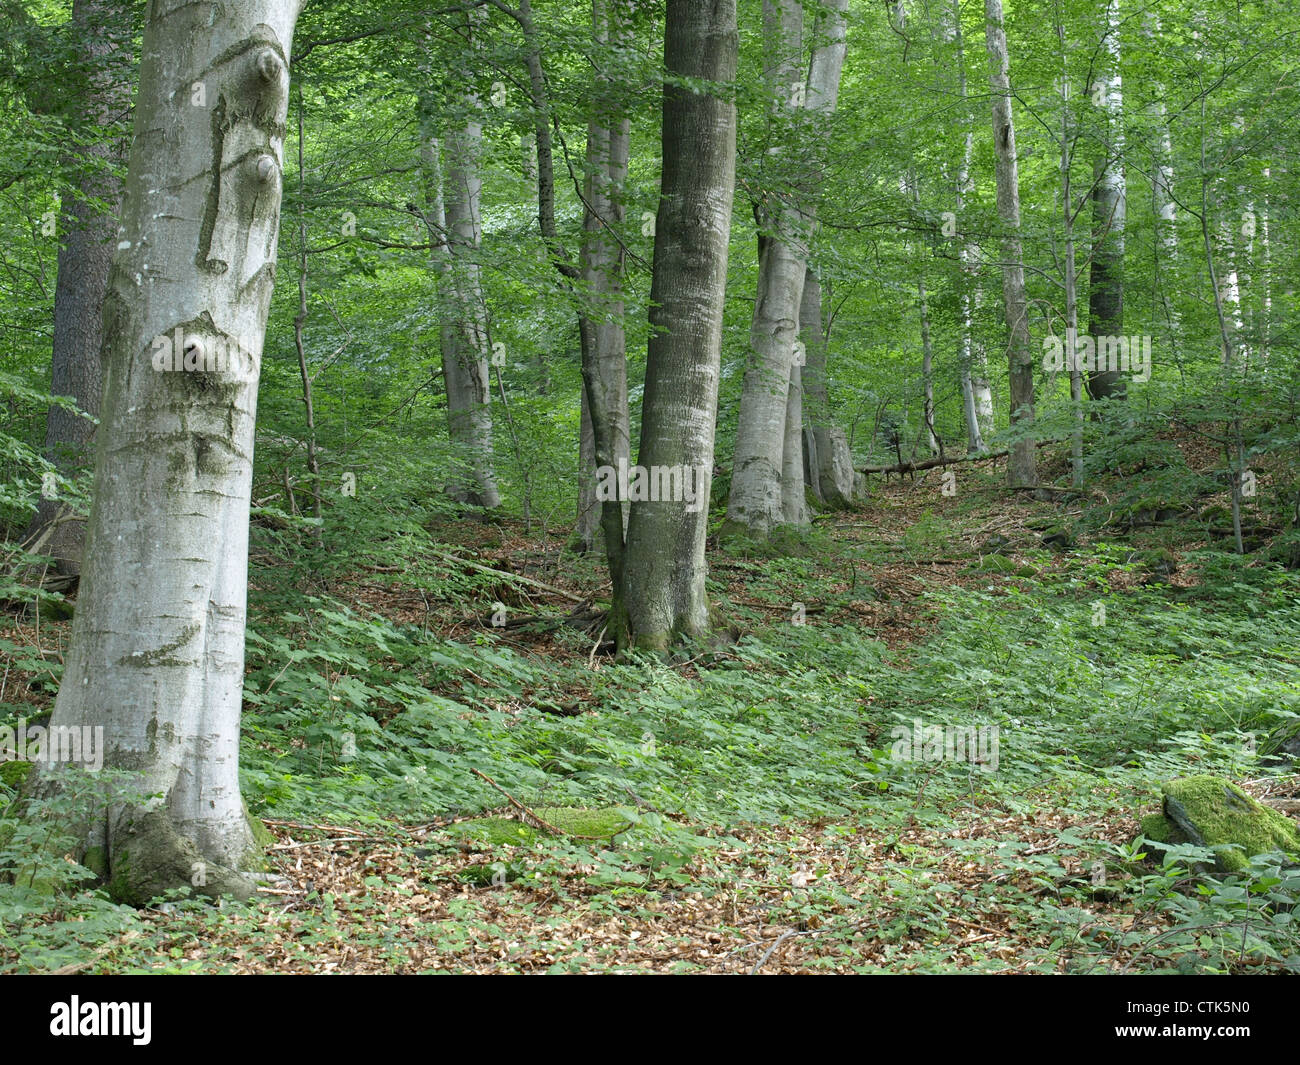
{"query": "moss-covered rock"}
pixel 1212 812
pixel 603 823
pixel 1058 538
pixel 1004 564
pixel 1156 827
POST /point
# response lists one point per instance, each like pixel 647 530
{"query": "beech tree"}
pixel 1109 194
pixel 1022 463
pixel 465 347
pixel 157 648
pixel 602 334
pixel 662 595
pixel 88 229
pixel 767 484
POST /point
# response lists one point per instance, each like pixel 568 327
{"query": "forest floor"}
pixel 745 808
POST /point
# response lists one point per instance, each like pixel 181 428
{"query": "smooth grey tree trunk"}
pixel 1106 285
pixel 464 328
pixel 604 344
pixel 758 495
pixel 157 650
pixel 1163 205
pixel 977 396
pixel 102 31
pixel 1068 218
pixel 829 467
pixel 1022 470
pixel 663 595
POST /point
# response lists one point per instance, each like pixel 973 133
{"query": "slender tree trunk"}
pixel 157 650
pixel 1071 276
pixel 1233 449
pixel 1163 206
pixel 663 595
pixel 299 324
pixel 604 348
pixel 977 396
pixel 604 433
pixel 927 366
pixel 828 458
pixel 1022 471
pixel 586 528
pixel 464 337
pixel 1106 286
pixel 102 30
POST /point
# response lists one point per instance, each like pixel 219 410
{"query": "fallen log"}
pixel 946 460
pixel 931 463
pixel 518 577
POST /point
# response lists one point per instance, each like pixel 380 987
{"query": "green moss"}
pixel 1211 812
pixel 602 823
pixel 493 873
pixel 1156 827
pixel 504 832
pixel 96 860
pixel 496 831
pixel 1005 564
pixel 261 834
pixel 14 774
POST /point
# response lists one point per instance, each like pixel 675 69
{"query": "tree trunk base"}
pixel 148 858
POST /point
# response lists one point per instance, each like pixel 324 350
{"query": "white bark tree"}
pixel 464 325
pixel 157 649
pixel 1109 200
pixel 767 485
pixel 977 396
pixel 1022 470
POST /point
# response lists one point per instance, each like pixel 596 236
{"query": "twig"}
pixel 780 939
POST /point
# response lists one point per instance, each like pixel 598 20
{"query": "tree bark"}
pixel 1022 468
pixel 663 596
pixel 157 649
pixel 464 337
pixel 829 466
pixel 1106 285
pixel 604 347
pixel 1068 215
pixel 977 396
pixel 102 30
pixel 767 472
